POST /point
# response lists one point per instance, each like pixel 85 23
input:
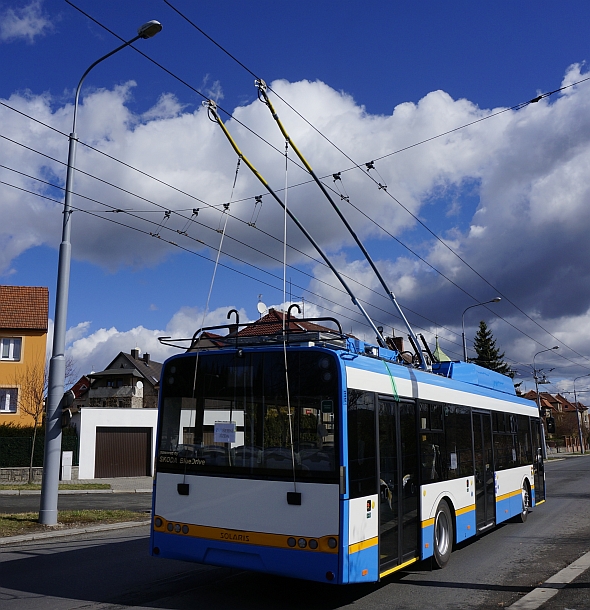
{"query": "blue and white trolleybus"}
pixel 296 450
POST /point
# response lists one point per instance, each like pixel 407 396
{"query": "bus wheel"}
pixel 443 534
pixel 526 502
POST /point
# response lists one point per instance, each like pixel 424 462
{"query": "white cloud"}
pixel 213 91
pixel 26 22
pixel 77 332
pixel 524 227
pixel 93 351
pixel 167 107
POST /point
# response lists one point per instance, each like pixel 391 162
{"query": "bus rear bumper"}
pixel 296 563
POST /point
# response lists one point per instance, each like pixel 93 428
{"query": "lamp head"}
pixel 496 299
pixel 149 29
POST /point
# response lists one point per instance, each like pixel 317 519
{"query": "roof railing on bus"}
pixel 271 333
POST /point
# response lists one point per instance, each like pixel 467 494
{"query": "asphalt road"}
pixel 113 570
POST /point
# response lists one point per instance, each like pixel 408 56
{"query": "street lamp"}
pixel 536 377
pixel 57 364
pixel 494 300
pixel 578 414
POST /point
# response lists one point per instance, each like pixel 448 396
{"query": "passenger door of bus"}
pixel 485 497
pixel 398 461
pixel 538 465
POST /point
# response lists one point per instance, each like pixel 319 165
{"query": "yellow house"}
pixel 23 337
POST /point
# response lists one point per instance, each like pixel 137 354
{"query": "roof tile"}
pixel 24 307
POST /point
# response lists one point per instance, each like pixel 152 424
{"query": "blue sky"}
pixel 509 194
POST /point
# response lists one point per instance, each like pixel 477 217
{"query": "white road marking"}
pixel 537 597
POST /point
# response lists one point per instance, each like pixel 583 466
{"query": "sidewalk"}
pixel 118 485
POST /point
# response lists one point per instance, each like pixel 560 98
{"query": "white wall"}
pixel 93 417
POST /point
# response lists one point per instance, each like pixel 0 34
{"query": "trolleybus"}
pixel 300 451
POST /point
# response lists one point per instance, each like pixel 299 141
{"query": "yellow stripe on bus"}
pixel 244 537
pixel 361 546
pixel 399 567
pixel 459 511
pixel 508 495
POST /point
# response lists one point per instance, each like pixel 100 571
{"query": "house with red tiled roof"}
pixel 565 416
pixel 24 312
pixel 272 324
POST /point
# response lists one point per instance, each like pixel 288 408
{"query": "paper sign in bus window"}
pixel 224 432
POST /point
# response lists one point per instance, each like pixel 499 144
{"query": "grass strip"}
pixel 63 486
pixel 27 523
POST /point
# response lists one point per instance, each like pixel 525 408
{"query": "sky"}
pixel 482 194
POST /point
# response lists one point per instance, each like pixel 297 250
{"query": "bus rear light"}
pixel 332 543
pixel 313 544
pixel 158 522
pixel 329 575
pixel 302 542
pixel 291 542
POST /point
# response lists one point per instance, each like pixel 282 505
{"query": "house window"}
pixel 8 400
pixel 10 348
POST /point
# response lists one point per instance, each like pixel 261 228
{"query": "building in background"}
pixel 23 339
pixel 565 413
pixel 115 415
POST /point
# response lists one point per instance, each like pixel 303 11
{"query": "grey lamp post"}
pixel 537 377
pixel 543 446
pixel 57 364
pixel 494 300
pixel 578 414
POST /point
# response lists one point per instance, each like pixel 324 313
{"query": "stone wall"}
pixel 21 475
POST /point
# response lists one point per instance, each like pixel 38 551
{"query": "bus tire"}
pixel 443 534
pixel 526 502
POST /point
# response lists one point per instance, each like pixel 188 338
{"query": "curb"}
pixel 70 532
pixel 35 492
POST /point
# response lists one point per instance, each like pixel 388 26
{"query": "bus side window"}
pixel 362 448
pixel 433 446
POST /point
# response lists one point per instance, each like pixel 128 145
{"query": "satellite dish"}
pixel 261 307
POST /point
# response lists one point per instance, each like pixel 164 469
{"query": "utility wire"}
pixel 190 251
pixel 161 207
pixel 173 243
pixel 381 187
pixel 356 165
pixel 157 235
pixel 189 220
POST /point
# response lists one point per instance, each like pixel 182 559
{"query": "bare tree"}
pixel 32 383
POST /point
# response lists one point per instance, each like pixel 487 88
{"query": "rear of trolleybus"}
pixel 248 474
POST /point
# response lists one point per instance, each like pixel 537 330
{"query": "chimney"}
pixel 135 353
pixel 146 358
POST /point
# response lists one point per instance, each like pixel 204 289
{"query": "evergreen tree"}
pixel 488 355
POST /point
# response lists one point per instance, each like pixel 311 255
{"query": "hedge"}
pixel 16 442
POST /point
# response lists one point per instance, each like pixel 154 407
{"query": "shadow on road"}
pixel 123 573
